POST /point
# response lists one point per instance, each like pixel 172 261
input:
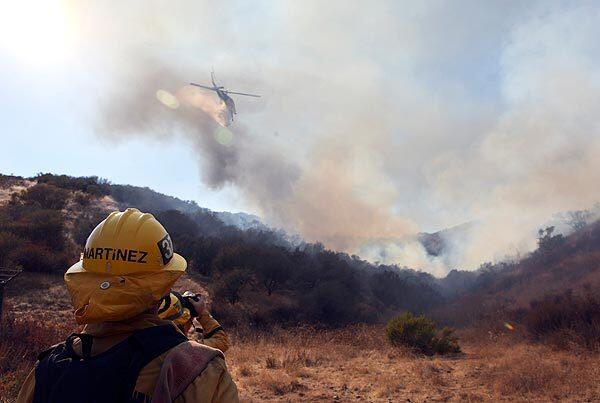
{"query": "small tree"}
pixel 547 241
pixel 273 276
pixel 232 285
pixel 273 270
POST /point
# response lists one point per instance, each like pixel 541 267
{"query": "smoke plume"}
pixel 377 121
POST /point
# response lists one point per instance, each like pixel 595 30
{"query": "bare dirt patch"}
pixel 7 191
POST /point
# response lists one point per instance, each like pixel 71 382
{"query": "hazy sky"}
pixel 378 119
pixel 53 73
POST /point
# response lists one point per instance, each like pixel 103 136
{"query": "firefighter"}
pixel 126 352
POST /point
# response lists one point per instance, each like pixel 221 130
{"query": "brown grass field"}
pixel 351 364
pixel 357 364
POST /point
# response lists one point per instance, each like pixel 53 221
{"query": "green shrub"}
pixel 91 184
pixel 43 227
pixel 82 199
pixel 38 258
pixel 8 243
pixel 412 331
pixel 419 333
pixel 46 196
pixel 85 223
pixel 447 343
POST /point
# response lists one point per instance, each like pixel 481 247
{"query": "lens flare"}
pixel 167 99
pixel 224 136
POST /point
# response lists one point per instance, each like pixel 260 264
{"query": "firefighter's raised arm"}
pixel 213 334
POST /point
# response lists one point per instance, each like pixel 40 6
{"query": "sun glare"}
pixel 34 31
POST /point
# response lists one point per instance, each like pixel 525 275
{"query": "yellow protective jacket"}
pixel 213 334
pixel 214 384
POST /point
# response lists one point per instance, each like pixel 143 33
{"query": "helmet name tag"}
pixel 126 255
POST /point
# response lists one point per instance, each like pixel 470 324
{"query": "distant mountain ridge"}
pixel 436 243
pixel 150 200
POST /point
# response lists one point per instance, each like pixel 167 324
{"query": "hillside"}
pixel 45 220
pixel 560 264
pixel 256 275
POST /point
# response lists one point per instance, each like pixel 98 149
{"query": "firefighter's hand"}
pixel 187 326
pixel 199 304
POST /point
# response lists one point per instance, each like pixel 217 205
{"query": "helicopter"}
pixel 224 96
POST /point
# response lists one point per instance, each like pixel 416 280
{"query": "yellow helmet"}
pixel 172 307
pixel 127 265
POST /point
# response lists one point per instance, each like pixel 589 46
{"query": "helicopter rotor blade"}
pixel 204 86
pixel 242 93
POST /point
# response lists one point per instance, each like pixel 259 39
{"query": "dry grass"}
pixel 22 339
pixel 352 364
pixel 530 371
pixel 356 364
pixel 46 299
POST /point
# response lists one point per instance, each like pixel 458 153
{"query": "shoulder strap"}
pixel 182 365
pixel 152 342
pixel 86 344
pixel 43 354
pixel 157 339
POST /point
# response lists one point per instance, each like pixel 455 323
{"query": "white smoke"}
pixel 378 120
